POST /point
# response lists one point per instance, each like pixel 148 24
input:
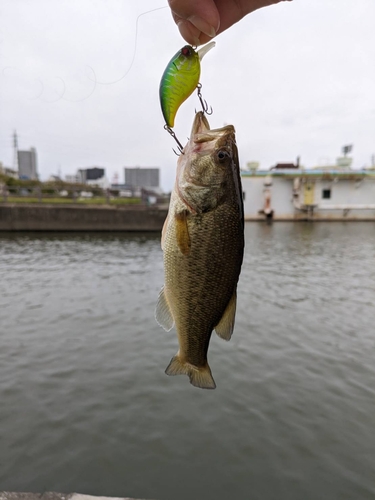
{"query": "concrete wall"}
pixel 281 197
pixel 346 191
pixel 34 217
pixel 51 495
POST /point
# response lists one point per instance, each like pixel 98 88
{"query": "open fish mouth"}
pixel 201 134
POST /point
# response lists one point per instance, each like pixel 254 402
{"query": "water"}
pixel 85 405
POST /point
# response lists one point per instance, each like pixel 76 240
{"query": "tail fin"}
pixel 199 376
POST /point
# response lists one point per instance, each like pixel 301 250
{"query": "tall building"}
pixel 142 177
pixel 27 164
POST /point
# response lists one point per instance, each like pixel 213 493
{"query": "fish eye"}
pixel 222 154
pixel 185 51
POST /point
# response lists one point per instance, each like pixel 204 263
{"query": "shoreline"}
pixel 48 217
pixel 52 495
pixel 122 218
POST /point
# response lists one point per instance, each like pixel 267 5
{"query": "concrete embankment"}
pixel 42 217
pixel 50 495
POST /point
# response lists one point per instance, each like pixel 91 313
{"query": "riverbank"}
pixel 38 217
pixel 51 495
pixel 128 218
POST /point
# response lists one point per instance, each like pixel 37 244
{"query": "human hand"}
pixel 200 20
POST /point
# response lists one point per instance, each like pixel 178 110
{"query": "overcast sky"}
pixel 295 79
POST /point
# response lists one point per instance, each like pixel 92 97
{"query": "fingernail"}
pixel 197 42
pixel 203 26
pixel 186 30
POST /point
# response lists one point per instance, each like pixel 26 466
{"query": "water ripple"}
pixel 85 404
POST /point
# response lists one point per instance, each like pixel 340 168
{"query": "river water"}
pixel 85 405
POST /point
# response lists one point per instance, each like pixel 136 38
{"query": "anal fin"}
pixel 226 325
pixel 163 314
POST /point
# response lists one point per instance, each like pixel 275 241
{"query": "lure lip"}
pixel 203 50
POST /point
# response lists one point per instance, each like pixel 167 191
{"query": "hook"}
pixel 180 146
pixel 203 101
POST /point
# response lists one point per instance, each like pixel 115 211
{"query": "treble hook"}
pixel 179 145
pixel 203 101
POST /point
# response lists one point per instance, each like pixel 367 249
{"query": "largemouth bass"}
pixel 203 243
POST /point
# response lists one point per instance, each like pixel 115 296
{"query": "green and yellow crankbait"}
pixel 180 78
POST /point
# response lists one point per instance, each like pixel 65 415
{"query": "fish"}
pixel 180 78
pixel 203 245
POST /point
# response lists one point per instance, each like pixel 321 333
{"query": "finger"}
pixel 202 14
pixel 190 33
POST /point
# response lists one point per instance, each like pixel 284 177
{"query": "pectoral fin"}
pixel 182 233
pixel 163 313
pixel 225 326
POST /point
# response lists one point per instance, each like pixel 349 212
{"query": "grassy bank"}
pixel 83 201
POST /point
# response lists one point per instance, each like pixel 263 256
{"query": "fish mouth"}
pixel 201 133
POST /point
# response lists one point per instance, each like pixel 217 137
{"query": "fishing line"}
pixel 96 82
pixel 90 94
pixel 41 92
pixel 94 79
pixel 23 74
pixel 49 101
pixel 61 96
pixel 135 47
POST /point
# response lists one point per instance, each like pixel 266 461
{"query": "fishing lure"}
pixel 180 78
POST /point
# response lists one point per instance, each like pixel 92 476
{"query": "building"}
pixel 9 172
pixel 331 192
pixel 90 174
pixel 54 178
pixel 147 178
pixel 125 191
pixel 73 179
pixel 27 164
